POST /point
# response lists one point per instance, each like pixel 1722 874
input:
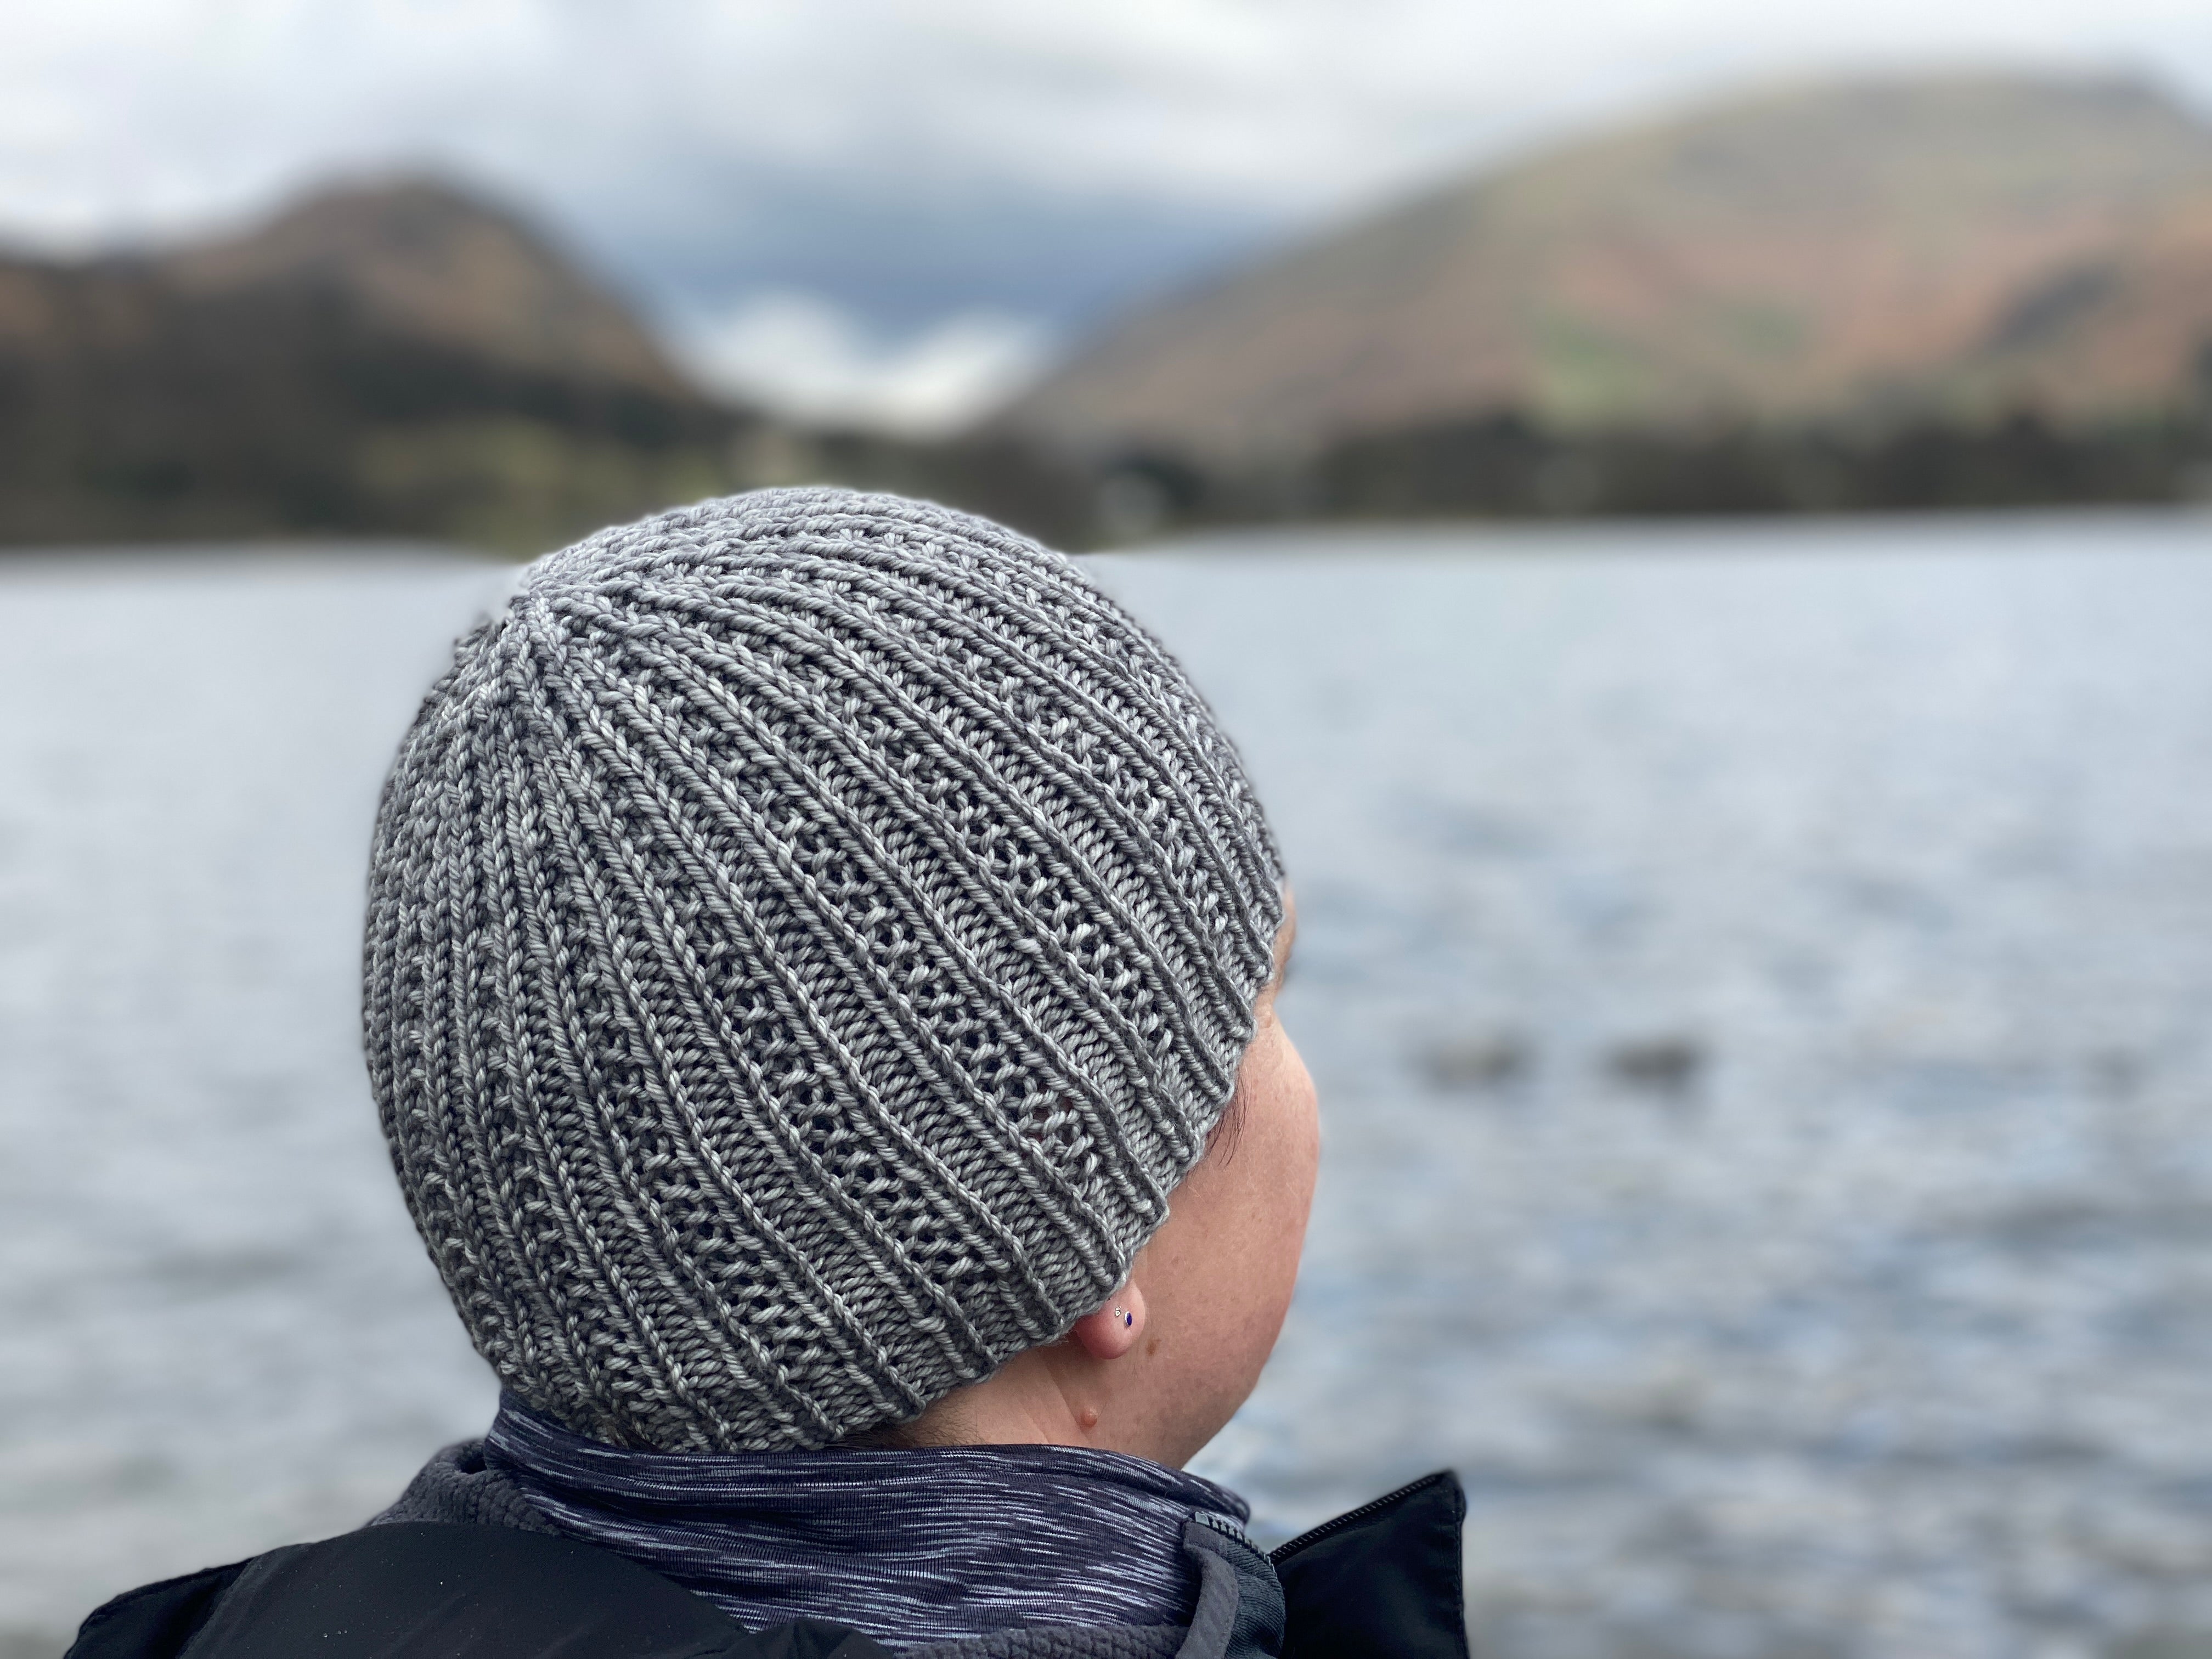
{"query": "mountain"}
pixel 405 357
pixel 424 260
pixel 1955 250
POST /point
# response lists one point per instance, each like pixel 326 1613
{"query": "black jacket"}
pixel 1383 1580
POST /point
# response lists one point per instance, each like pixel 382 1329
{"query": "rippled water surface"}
pixel 1759 978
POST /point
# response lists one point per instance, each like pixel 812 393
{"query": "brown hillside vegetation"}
pixel 404 357
pixel 1961 291
pixel 1953 250
pixel 428 261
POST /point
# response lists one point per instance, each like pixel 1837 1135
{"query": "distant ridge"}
pixel 428 259
pixel 1964 292
pixel 1958 248
pixel 400 356
pixel 406 358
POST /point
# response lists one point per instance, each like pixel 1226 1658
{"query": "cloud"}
pixel 907 161
pixel 799 355
pixel 904 253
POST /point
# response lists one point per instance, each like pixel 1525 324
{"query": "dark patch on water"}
pixel 1663 1064
pixel 1479 1063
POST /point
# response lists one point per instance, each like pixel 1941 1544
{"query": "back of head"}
pixel 810 934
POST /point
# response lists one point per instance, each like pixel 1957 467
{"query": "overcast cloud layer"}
pixel 900 182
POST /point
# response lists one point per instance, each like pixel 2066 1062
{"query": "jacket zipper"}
pixel 1349 1518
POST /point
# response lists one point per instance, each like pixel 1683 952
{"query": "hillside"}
pixel 405 357
pixel 424 260
pixel 1951 250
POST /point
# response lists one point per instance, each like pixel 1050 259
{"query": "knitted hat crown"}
pixel 809 935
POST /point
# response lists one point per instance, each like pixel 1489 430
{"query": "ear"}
pixel 1112 1330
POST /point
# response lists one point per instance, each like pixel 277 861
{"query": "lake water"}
pixel 1759 978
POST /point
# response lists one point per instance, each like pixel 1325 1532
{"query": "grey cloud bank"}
pixel 907 164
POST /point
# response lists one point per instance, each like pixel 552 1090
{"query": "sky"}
pixel 894 210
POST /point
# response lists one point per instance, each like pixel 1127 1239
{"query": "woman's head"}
pixel 810 936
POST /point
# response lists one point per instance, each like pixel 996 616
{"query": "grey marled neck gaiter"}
pixel 934 1544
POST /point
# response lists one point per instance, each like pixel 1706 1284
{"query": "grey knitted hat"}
pixel 809 936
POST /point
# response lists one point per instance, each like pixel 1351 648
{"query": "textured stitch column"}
pixel 809 935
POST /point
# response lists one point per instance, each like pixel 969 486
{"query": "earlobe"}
pixel 1109 1331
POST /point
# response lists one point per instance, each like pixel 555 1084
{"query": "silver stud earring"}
pixel 1123 1314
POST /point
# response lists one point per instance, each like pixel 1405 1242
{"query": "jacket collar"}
pixel 1385 1578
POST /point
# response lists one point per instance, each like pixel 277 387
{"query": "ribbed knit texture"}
pixel 911 1547
pixel 810 934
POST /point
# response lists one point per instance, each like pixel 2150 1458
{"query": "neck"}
pixel 1028 1401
